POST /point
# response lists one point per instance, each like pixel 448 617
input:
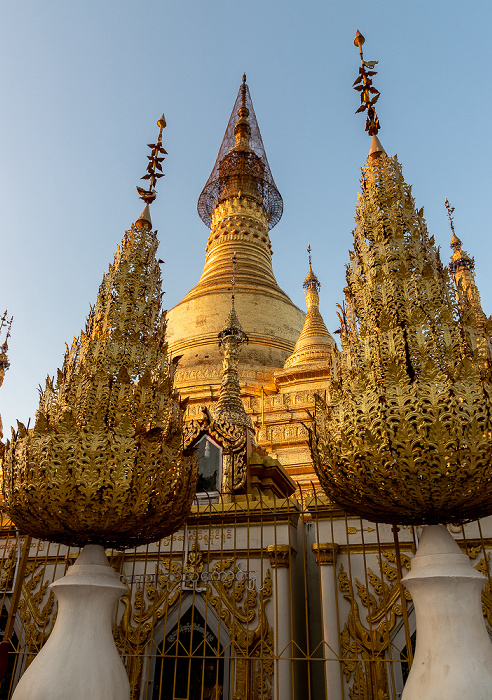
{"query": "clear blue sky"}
pixel 83 84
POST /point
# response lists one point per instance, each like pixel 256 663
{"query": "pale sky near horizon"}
pixel 83 84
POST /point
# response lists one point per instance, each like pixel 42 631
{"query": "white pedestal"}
pixel 80 660
pixel 453 656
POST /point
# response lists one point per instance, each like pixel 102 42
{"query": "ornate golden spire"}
pixel 241 169
pixel 407 440
pixel 315 343
pixel 462 271
pixel 104 463
pixel 229 407
pixel 460 261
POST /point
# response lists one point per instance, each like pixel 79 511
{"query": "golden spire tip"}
pixel 359 39
pixel 244 77
pixel 154 167
pixel 455 241
pixel 368 93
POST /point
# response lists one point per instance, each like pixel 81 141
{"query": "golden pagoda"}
pixel 315 342
pixel 241 204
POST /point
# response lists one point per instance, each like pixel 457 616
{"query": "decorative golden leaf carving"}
pixel 236 605
pixel 408 437
pixel 363 646
pixel 104 463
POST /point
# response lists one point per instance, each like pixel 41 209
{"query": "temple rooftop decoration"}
pixel 407 437
pixel 315 342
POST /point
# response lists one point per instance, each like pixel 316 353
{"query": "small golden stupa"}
pixel 408 439
pixel 104 463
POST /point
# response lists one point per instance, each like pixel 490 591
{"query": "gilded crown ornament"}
pixel 408 439
pixel 104 463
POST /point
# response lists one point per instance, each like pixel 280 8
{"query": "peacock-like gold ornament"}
pixel 104 463
pixel 408 438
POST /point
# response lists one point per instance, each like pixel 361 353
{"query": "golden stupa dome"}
pixel 240 202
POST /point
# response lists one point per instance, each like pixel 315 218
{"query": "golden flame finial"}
pixel 368 93
pixel 154 165
pixel 406 437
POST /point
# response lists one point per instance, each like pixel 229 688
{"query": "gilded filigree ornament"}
pixel 408 437
pixel 37 609
pixel 238 605
pixel 365 643
pixel 104 463
pixel 234 441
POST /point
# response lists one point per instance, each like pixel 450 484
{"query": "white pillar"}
pixel 80 659
pixel 279 561
pixel 326 558
pixel 453 656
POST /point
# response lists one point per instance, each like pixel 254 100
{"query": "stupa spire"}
pixel 229 407
pixel 315 342
pixel 241 168
pixel 462 271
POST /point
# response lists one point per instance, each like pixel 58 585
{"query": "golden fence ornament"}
pixel 104 463
pixel 408 439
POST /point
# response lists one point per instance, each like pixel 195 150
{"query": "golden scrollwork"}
pixel 225 588
pixel 407 439
pixel 104 463
pixel 365 646
pixel 37 609
pixel 7 570
pixel 237 606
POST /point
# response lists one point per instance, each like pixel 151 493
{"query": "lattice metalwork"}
pixel 242 170
pixel 267 599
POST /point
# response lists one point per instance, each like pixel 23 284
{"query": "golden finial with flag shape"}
pixel 368 93
pixel 154 167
